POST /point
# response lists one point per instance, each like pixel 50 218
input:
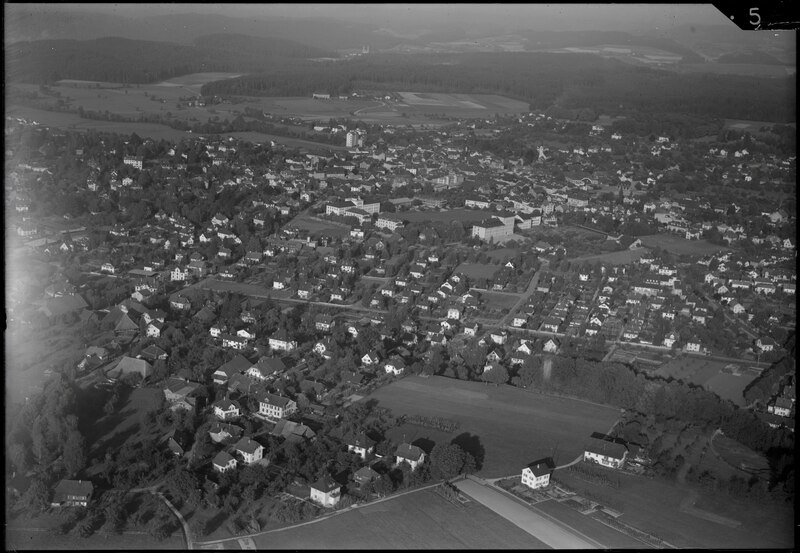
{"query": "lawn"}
pixel 419 520
pixel 499 301
pixel 466 216
pixel 653 506
pixel 510 426
pixel 680 246
pixel 475 271
pixel 714 376
pixel 622 257
pixel 318 226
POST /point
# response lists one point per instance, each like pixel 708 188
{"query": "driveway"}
pixel 543 529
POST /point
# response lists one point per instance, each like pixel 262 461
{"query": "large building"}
pixel 492 228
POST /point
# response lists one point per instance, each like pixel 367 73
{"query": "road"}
pixel 555 535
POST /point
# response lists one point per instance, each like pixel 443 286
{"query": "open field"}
pixel 728 382
pixel 739 455
pixel 477 270
pixel 499 301
pixel 512 426
pixel 317 226
pixel 459 104
pixel 419 520
pixel 466 216
pixel 745 125
pixel 680 246
pixel 44 540
pixel 622 257
pixel 654 506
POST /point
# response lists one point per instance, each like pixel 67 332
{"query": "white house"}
pixel 250 450
pixel 411 454
pixel 607 453
pixel 275 406
pixel 226 409
pixel 280 341
pixel 394 366
pixel 362 445
pixel 325 491
pixel 536 475
pixel 223 462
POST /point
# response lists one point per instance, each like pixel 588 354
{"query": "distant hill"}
pixel 123 60
pixel 760 58
pixel 538 40
pixel 31 23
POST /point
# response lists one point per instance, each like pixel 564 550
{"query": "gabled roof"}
pixel 246 445
pixel 410 452
pixel 238 364
pixel 326 484
pixel 361 440
pixel 72 488
pixel 222 459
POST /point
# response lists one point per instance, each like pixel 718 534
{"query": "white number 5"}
pixel 755 18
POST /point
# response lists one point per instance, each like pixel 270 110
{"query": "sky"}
pixel 627 17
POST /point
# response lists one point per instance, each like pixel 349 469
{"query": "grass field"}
pixel 466 216
pixel 739 455
pixel 317 226
pixel 419 520
pixel 680 246
pixel 477 270
pixel 622 257
pixel 653 506
pixel 262 138
pixel 499 301
pixel 727 383
pixel 512 426
pixel 44 540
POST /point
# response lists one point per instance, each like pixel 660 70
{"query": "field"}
pixel 466 216
pixel 419 520
pixel 622 257
pixel 318 226
pixel 513 427
pixel 462 105
pixel 499 301
pixel 727 381
pixel 654 506
pixel 740 456
pixel 477 270
pixel 680 246
pixel 44 540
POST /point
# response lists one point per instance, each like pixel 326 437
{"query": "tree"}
pixel 199 527
pixel 36 496
pixel 496 375
pixel 74 452
pixel 447 460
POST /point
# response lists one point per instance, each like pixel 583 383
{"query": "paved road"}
pixel 536 525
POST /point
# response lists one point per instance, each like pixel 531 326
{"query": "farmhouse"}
pixel 72 493
pixel 605 452
pixel 536 475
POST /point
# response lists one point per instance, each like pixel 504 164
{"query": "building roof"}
pixel 326 484
pixel 129 365
pixel 410 452
pixel 238 364
pixel 222 459
pixel 607 448
pixel 273 399
pixel 361 440
pixel 246 445
pixel 66 489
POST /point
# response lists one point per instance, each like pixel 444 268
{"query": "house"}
pixel 781 407
pixel 324 323
pixel 537 474
pixel 766 344
pixel 411 454
pixel 266 368
pixel 129 365
pixel 292 432
pixel 394 366
pixel 606 452
pixel 370 359
pixel 692 346
pixel 326 491
pixel 365 475
pixel 179 442
pixel 223 462
pixel 453 313
pixel 221 432
pixel 551 346
pixel 670 339
pixel 250 450
pixel 178 393
pixel 362 445
pixel 274 406
pixel 226 409
pixel 72 493
pixel 237 365
pixel 179 274
pixel 280 342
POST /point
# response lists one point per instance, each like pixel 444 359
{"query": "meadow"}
pixel 418 520
pixel 715 376
pixel 465 216
pixel 680 246
pixel 318 226
pixel 477 270
pixel 512 426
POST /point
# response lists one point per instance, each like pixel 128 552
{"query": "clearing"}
pixel 726 380
pixel 504 427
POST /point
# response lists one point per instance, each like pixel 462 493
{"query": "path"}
pixel 555 535
pixel 153 490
